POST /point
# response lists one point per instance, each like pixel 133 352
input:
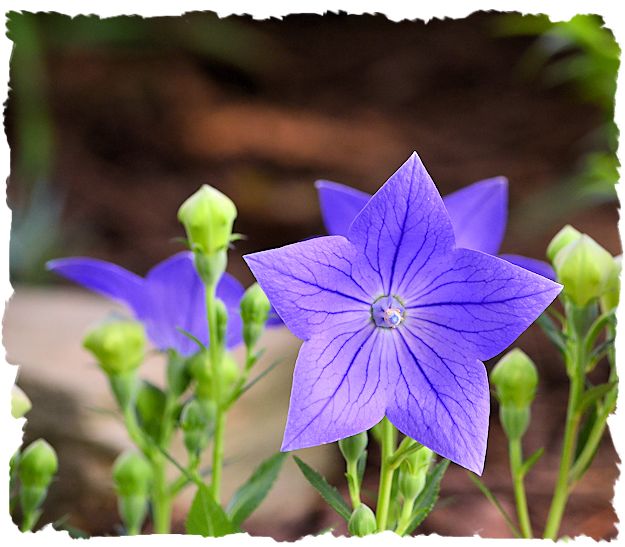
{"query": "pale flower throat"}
pixel 387 312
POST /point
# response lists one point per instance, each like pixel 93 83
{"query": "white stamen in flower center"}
pixel 393 317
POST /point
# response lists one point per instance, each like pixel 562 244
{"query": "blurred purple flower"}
pixel 478 214
pixel 169 298
pixel 396 321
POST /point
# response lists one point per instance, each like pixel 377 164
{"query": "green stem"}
pixel 405 517
pixel 516 462
pixel 161 499
pixel 561 492
pixel 29 520
pixel 215 363
pixel 353 483
pixel 386 475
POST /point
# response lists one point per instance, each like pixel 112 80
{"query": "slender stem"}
pixel 215 363
pixel 516 462
pixel 161 498
pixel 353 483
pixel 386 475
pixel 561 492
pixel 405 517
pixel 493 499
pixel 29 520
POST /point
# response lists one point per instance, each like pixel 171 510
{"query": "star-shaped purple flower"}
pixel 478 214
pixel 170 297
pixel 396 321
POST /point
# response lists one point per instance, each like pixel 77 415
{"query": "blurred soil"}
pixel 342 98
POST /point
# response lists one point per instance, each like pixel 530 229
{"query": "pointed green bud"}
pixel 410 486
pixel 255 308
pixel 119 346
pixel 37 464
pixel 178 376
pixel 419 461
pixel 207 217
pixel 362 521
pixel 132 474
pixel 20 403
pixel 585 269
pixel 221 318
pixel 150 405
pixel 133 477
pixel 610 298
pixel 353 447
pixel 564 237
pixel 197 422
pixel 515 379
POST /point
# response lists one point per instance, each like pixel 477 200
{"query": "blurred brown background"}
pixel 113 123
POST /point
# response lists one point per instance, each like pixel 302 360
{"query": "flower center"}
pixel 387 312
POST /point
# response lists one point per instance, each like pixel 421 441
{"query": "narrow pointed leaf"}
pixel 249 496
pixel 549 327
pixel 531 461
pixel 428 496
pixel 206 518
pixel 594 394
pixel 327 491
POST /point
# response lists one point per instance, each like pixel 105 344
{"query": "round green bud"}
pixel 255 308
pixel 119 346
pixel 133 511
pixel 411 485
pixel 585 269
pixel 132 474
pixel 610 298
pixel 514 420
pixel 515 379
pixel 197 422
pixel 37 464
pixel 20 403
pixel 564 237
pixel 362 521
pixel 207 217
pixel 353 447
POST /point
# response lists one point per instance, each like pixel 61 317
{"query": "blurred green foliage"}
pixel 581 52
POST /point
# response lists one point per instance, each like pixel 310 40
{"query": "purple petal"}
pixel 475 303
pixel 177 301
pixel 103 278
pixel 338 386
pixel 314 285
pixel 440 398
pixel 479 213
pixel 539 267
pixel 403 227
pixel 340 205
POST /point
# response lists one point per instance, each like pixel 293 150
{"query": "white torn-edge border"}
pixel 558 10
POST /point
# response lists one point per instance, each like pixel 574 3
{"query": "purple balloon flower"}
pixel 478 214
pixel 396 321
pixel 169 298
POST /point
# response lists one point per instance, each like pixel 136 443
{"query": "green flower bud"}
pixel 221 318
pixel 37 464
pixel 419 461
pixel 20 403
pixel 610 298
pixel 515 379
pixel 362 522
pixel 200 369
pixel 36 467
pixel 197 422
pixel 353 447
pixel 564 237
pixel 133 476
pixel 255 308
pixel 119 346
pixel 585 269
pixel 150 404
pixel 207 217
pixel 410 485
pixel 178 376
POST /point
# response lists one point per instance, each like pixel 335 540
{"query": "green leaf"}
pixel 531 461
pixel 249 496
pixel 361 466
pixel 593 395
pixel 549 327
pixel 428 496
pixel 206 518
pixel 327 491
